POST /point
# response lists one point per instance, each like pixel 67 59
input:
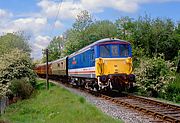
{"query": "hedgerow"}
pixel 153 75
pixel 15 65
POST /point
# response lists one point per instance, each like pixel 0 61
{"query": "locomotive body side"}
pixel 82 64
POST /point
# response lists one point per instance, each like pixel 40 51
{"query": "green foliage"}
pixel 125 26
pixel 177 59
pixel 55 47
pixel 95 31
pixel 153 75
pixel 72 41
pixel 172 92
pixel 14 40
pixel 76 38
pixel 101 29
pixel 156 36
pixel 83 21
pixel 21 88
pixel 15 65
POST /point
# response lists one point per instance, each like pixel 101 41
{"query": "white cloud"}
pixel 5 14
pixel 128 6
pixel 41 42
pixel 31 25
pixel 100 5
pixel 67 9
pixel 58 24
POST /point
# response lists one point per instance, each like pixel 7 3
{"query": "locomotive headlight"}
pixel 104 78
pixel 129 60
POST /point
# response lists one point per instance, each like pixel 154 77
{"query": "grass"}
pixel 57 105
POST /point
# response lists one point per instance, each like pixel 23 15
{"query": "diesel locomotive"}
pixel 103 65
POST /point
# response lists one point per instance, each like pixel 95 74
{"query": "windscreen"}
pixel 114 50
pixel 105 51
pixel 124 50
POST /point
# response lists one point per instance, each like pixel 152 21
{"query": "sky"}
pixel 44 19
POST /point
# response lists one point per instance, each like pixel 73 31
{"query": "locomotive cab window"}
pixel 104 51
pixel 124 50
pixel 115 49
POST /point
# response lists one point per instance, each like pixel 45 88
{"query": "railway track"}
pixel 162 112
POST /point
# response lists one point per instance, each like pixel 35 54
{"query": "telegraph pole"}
pixel 47 79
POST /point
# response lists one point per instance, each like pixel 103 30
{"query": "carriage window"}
pixel 124 50
pixel 115 50
pixel 104 51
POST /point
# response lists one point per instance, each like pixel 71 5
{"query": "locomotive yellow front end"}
pixel 114 66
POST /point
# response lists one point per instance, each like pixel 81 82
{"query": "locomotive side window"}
pixel 115 50
pixel 105 51
pixel 84 57
pixel 92 55
pixel 124 50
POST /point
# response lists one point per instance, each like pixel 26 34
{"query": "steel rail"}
pixel 137 102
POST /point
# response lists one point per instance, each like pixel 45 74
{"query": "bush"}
pixel 172 91
pixel 153 75
pixel 21 88
pixel 15 65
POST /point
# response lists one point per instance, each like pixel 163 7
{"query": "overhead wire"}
pixel 59 7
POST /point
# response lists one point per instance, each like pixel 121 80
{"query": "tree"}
pixel 10 41
pixel 83 20
pixel 15 64
pixel 55 47
pixel 75 37
pixel 154 36
pixel 96 31
pixel 124 27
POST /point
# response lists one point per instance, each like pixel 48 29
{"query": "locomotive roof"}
pixel 95 43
